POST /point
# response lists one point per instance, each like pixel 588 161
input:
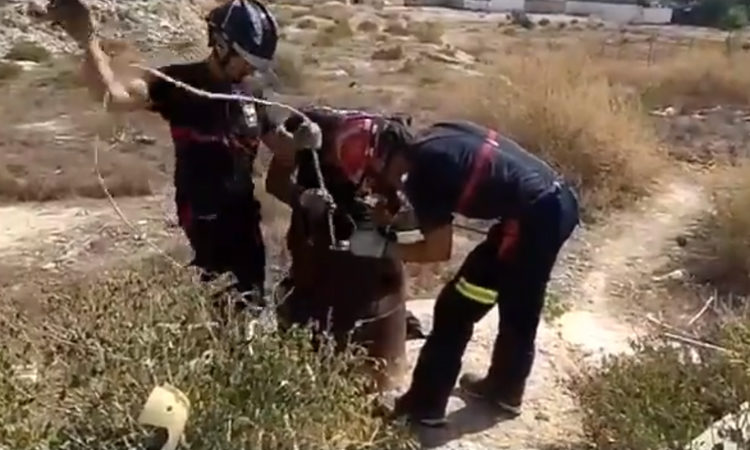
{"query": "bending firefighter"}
pixel 463 168
pixel 215 146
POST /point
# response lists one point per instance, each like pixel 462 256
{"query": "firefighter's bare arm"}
pixel 436 246
pixel 75 19
pixel 279 182
pixel 123 96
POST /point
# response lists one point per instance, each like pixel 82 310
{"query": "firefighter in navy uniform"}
pixel 215 146
pixel 463 168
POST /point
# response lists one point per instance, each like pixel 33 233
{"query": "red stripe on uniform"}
pixel 510 234
pixel 187 134
pixel 480 161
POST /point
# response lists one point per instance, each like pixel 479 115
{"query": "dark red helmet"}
pixel 359 147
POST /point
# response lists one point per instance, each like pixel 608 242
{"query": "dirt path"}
pixel 78 235
pixel 595 270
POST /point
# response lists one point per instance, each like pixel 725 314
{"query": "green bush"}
pixel 104 344
pixel 662 398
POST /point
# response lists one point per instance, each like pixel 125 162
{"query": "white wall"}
pixel 493 5
pixel 620 13
pixel 657 15
pixel 545 6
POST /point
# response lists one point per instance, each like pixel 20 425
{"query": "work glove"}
pixel 316 202
pixel 74 17
pixel 307 136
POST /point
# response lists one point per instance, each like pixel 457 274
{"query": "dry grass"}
pixel 702 77
pixel 732 215
pixel 288 67
pixel 368 26
pixel 719 254
pixel 397 27
pixel 335 11
pixel 104 343
pixel 9 71
pixel 333 34
pixel 661 397
pixel 307 23
pixel 48 127
pixel 390 53
pixel 559 107
pixel 428 32
pixel 28 51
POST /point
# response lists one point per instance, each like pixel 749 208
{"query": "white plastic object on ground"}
pixel 167 407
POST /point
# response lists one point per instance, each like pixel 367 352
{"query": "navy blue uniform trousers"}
pixel 516 282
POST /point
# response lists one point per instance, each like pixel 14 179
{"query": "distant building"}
pixel 617 11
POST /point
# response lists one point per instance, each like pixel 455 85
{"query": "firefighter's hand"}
pixel 315 202
pixel 74 17
pixel 285 145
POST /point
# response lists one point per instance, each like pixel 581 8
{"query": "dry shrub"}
pixel 129 179
pixel 428 32
pixel 391 53
pixel 732 215
pixel 703 77
pixel 28 51
pixel 332 10
pixel 307 23
pixel 105 343
pixel 661 397
pixel 397 27
pixel 560 108
pixel 368 26
pixel 333 34
pixel 719 255
pixel 9 71
pixel 288 66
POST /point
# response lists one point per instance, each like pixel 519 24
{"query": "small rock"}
pixel 35 9
pixel 674 275
pixel 542 417
pixel 145 140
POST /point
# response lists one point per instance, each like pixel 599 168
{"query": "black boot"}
pixel 507 397
pixel 418 412
pixel 413 327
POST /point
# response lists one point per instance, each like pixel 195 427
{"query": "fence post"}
pixel 651 42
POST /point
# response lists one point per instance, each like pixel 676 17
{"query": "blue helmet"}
pixel 247 28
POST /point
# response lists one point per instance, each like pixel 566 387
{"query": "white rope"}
pixel 114 204
pixel 218 96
